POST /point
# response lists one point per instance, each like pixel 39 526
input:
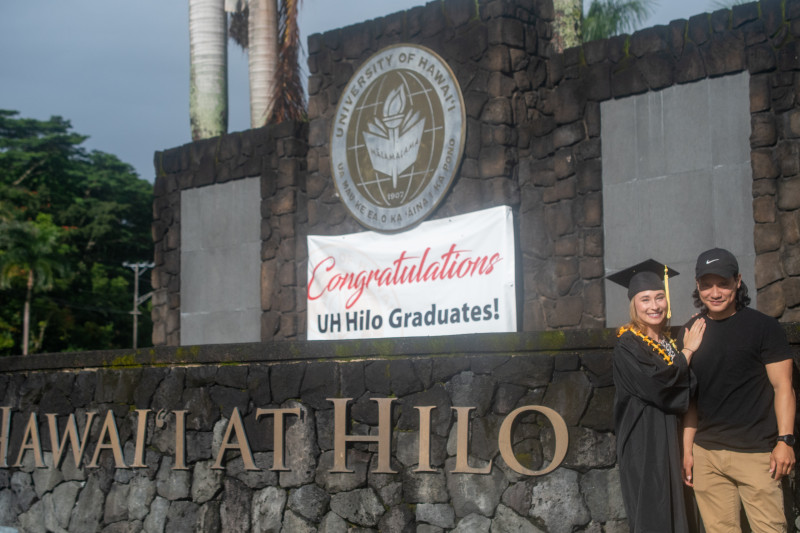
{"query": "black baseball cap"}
pixel 645 276
pixel 716 261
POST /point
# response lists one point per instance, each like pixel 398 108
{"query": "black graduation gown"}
pixel 650 398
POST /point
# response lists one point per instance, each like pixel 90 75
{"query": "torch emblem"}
pixel 393 139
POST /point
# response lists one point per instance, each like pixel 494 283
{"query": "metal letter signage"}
pixel 397 137
pixel 236 439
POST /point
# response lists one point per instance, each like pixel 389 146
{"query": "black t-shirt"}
pixel 735 400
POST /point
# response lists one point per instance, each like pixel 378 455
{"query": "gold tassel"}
pixel 666 289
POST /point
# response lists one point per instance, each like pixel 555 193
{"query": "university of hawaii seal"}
pixel 397 137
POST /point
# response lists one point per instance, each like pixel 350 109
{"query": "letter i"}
pixel 141 433
pixel 180 440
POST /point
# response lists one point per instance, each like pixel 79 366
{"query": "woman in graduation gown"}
pixel 653 387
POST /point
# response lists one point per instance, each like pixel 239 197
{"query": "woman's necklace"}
pixel 653 344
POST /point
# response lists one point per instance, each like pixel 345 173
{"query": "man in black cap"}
pixel 738 436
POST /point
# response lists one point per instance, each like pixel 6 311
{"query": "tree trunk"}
pixel 263 58
pixel 26 314
pixel 208 91
pixel 567 24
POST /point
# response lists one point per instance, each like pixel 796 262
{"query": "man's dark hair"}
pixel 742 298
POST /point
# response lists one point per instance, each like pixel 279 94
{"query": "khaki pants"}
pixel 724 479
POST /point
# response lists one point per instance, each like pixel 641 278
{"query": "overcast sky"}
pixel 119 69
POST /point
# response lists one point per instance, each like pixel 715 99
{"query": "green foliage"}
pixel 607 18
pixel 73 216
pixel 6 335
pixel 31 246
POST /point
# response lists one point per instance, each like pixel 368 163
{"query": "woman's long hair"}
pixel 742 298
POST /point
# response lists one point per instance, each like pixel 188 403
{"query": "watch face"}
pixel 788 439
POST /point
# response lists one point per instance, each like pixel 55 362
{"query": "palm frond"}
pixel 607 18
pixel 29 245
pixel 237 27
pixel 288 90
pixel 289 95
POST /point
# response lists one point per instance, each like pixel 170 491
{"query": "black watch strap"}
pixel 788 439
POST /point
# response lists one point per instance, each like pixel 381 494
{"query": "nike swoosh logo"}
pixel 709 261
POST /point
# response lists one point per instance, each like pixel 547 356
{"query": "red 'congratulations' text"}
pixel 405 270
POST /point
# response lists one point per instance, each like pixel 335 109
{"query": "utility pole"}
pixel 138 270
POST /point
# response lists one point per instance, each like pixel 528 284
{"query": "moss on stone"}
pixel 525 459
pixel 343 350
pixel 186 354
pixel 385 348
pixel 124 361
pixel 437 345
pixel 553 340
pixel 477 16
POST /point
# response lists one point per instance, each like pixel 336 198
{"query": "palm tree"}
pixel 604 19
pixel 268 30
pixel 31 251
pixel 208 90
pixel 288 93
pixel 262 58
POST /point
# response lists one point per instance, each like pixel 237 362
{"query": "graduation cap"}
pixel 648 275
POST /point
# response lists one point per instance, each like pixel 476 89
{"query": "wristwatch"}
pixel 788 439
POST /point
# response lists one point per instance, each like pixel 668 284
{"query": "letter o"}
pixel 561 434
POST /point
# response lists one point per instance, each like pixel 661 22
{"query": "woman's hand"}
pixel 692 337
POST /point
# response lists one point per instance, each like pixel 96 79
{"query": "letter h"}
pixel 341 438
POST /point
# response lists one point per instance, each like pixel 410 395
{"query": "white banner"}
pixel 444 277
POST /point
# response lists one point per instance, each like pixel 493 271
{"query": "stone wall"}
pixel 496 50
pixel 561 170
pixel 533 141
pixel 670 207
pixel 492 373
pixel 157 482
pixel 275 155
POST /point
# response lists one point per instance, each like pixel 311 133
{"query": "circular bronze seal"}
pixel 397 137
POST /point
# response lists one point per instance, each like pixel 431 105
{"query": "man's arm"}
pixel 689 430
pixel 780 376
